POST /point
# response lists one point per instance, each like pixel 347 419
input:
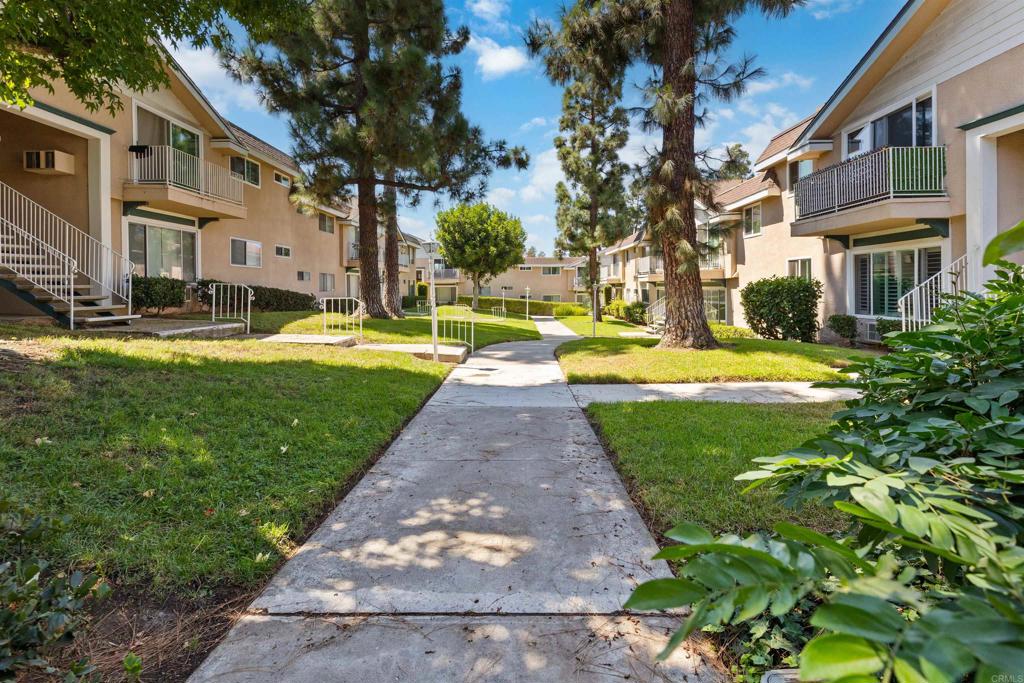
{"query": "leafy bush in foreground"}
pixel 845 326
pixel 39 608
pixel 157 293
pixel 928 582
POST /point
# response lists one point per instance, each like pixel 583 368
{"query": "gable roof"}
pixel 905 28
pixel 764 181
pixel 784 139
pixel 190 86
pixel 264 149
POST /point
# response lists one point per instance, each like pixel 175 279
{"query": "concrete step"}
pixel 106 319
pixel 62 307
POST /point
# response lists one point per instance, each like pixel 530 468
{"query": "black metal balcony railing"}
pixel 886 173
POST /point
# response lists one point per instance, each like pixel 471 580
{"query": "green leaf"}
pixel 876 502
pixel 811 537
pixel 690 534
pixel 873 619
pixel 1006 243
pixel 907 672
pixel 838 655
pixel 913 520
pixel 664 594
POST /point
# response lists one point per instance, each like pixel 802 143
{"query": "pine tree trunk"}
pixel 392 289
pixel 594 278
pixel 686 325
pixel 369 274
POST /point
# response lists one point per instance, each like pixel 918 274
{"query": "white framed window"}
pixel 326 223
pixel 715 307
pixel 282 180
pixel 485 291
pixel 159 251
pixel 304 276
pixel 246 253
pixel 910 123
pixel 525 267
pixel 799 267
pixel 551 270
pixel 246 169
pixel 752 221
pixel 881 276
pixel 552 297
pixel 282 251
pixel 326 282
pixel 506 288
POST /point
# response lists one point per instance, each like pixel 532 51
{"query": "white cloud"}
pixel 501 197
pixel 775 119
pixel 225 93
pixel 488 10
pixel 725 113
pixel 494 60
pixel 535 122
pixel 546 172
pixel 826 9
pixel 789 78
pixel 538 219
pixel 416 226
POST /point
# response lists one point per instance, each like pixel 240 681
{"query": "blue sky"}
pixel 505 92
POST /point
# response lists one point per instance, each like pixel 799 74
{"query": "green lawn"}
pixel 681 456
pixel 409 330
pixel 191 464
pixel 608 327
pixel 635 361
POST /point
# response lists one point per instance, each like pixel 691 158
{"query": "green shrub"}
pixel 782 307
pixel 608 292
pixel 40 609
pixel 845 326
pixel 571 309
pixel 886 326
pixel 927 584
pixel 422 290
pixel 615 308
pixel 408 303
pixel 157 293
pixel 635 312
pixel 266 299
pixel 486 303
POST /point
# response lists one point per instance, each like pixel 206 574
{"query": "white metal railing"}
pixel 103 266
pixel 918 305
pixel 446 274
pixel 457 322
pixel 165 165
pixel 37 262
pixel 656 311
pixel 342 314
pixel 883 174
pixel 499 312
pixel 229 301
pixel 422 306
pixel 353 251
pixel 610 271
pixel 712 260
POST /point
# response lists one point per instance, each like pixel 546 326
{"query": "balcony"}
pixel 353 251
pixel 446 274
pixel 403 260
pixel 873 191
pixel 611 272
pixel 167 178
pixel 650 267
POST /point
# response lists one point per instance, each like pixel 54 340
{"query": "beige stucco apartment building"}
pixel 166 184
pixel 889 192
pixel 548 279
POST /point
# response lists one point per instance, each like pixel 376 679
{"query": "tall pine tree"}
pixel 684 43
pixel 367 95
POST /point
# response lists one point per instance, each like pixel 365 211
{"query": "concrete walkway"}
pixel 734 392
pixel 492 542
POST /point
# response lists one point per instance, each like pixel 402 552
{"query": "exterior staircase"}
pixel 57 268
pixel 917 307
pixel 656 317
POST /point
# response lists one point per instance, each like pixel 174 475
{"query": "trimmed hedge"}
pixel 266 299
pixel 635 312
pixel 513 305
pixel 571 309
pixel 782 307
pixel 157 293
pixel 886 326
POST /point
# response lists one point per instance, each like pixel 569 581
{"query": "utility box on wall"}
pixel 49 162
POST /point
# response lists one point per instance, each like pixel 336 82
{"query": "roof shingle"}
pixel 784 140
pixel 279 157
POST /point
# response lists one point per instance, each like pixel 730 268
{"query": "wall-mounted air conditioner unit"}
pixel 49 162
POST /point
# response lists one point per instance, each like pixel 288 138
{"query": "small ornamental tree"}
pixel 481 241
pixel 782 307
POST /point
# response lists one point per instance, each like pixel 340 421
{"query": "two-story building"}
pixel 163 187
pixel 916 161
pixel 546 278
